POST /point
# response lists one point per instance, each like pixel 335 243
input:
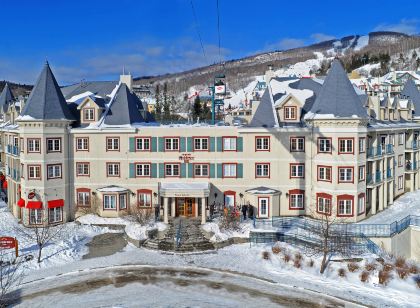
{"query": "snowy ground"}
pixel 223 235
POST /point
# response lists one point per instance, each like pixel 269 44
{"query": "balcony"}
pixel 412 146
pixel 389 149
pixel 374 152
pixel 389 174
pixel 13 150
pixel 411 167
pixel 372 179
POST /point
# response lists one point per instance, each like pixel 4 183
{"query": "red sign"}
pixel 186 158
pixel 31 195
pixel 7 242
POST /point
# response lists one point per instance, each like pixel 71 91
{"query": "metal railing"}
pixel 411 166
pixel 389 149
pixel 374 152
pixel 389 173
pixel 412 146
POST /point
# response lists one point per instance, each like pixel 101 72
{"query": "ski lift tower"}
pixel 218 92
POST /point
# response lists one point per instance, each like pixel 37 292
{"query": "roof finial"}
pixel 123 69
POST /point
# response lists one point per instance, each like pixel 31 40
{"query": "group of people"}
pixel 3 183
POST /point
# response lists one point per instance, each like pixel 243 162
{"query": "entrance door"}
pixel 263 207
pixel 185 207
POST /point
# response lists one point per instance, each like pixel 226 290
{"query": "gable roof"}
pixel 337 96
pixel 6 97
pixel 410 91
pixel 46 102
pixel 100 88
pixel 264 115
pixel 124 108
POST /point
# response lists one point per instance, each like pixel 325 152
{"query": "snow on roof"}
pixel 112 188
pixel 278 86
pixel 262 190
pixel 77 99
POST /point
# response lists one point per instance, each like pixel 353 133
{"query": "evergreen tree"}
pixel 166 105
pixel 206 111
pixel 197 107
pixel 158 107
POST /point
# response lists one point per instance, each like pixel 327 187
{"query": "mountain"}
pixel 17 89
pixel 240 72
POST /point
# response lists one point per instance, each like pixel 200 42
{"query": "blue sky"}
pixel 94 39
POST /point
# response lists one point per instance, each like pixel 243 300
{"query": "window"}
pixel 53 171
pixel 142 144
pixel 144 198
pixel 88 114
pixel 297 144
pixel 324 203
pixel 201 170
pixel 201 144
pixel 53 145
pixel 55 215
pixel 34 145
pixel 172 169
pixel 229 170
pixel 392 139
pixel 123 201
pixel 22 170
pixel 21 144
pixel 112 143
pixel 400 160
pixel 83 197
pixel 345 146
pixel 82 169
pixel 361 204
pixel 34 172
pixel 401 138
pixel 262 170
pixel 345 206
pixel 345 175
pixel 324 145
pixel 324 174
pixel 82 144
pixel 297 170
pixel 142 170
pixel 290 113
pixel 362 145
pixel 362 173
pixel 171 144
pixel 262 143
pixel 110 202
pixel 113 169
pixel 229 143
pixel 229 198
pixel 400 182
pixel 296 199
pixel 35 217
pixel 263 207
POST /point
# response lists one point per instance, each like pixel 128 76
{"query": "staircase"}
pixel 183 235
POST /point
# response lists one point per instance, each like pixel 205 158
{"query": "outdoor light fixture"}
pixel 155 194
pixel 241 195
pixel 94 193
pixel 287 195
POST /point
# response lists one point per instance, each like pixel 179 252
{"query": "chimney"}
pixel 269 74
pixel 127 79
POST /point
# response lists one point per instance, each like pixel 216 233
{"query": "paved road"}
pixel 155 286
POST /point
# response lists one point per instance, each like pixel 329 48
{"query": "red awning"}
pixel 21 202
pixel 35 205
pixel 55 203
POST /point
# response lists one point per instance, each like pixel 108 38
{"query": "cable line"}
pixel 198 30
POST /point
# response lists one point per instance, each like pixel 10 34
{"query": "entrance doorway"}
pixel 185 207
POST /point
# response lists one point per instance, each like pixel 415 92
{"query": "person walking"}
pixel 212 209
pixel 157 212
pixel 244 210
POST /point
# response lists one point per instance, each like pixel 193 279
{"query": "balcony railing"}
pixel 13 150
pixel 412 146
pixel 374 178
pixel 374 152
pixel 411 166
pixel 389 149
pixel 388 173
pixel 378 176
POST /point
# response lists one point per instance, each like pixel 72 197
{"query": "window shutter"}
pixel 239 144
pixel 154 144
pixel 132 144
pixel 239 171
pixel 161 144
pixel 132 170
pixel 211 144
pixel 161 170
pixel 219 144
pixel 219 170
pixel 189 144
pixel 190 170
pixel 183 170
pixel 212 171
pixel 153 171
pixel 182 144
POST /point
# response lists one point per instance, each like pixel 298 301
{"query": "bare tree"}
pixel 11 274
pixel 143 216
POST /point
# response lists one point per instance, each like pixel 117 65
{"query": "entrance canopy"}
pixel 112 189
pixel 262 190
pixel 179 189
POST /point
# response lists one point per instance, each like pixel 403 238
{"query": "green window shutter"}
pixel 212 171
pixel 239 144
pixel 153 171
pixel 190 170
pixel 154 144
pixel 189 144
pixel 183 170
pixel 182 144
pixel 161 144
pixel 132 144
pixel 219 144
pixel 212 144
pixel 132 170
pixel 239 171
pixel 219 171
pixel 161 170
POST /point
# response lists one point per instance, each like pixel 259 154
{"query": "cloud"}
pixel 321 37
pixel 408 26
pixel 286 43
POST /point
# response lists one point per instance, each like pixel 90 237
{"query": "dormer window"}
pixel 88 114
pixel 290 113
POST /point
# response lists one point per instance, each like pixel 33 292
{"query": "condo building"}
pixel 310 147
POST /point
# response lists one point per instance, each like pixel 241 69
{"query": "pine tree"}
pixel 206 111
pixel 166 105
pixel 197 107
pixel 158 107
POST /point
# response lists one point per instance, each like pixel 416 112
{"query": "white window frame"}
pixel 297 144
pixel 297 201
pixel 172 170
pixel 362 145
pixel 229 170
pixel 110 205
pixel 343 175
pixel 83 196
pixel 143 170
pixel 53 145
pixel 82 169
pixel 297 171
pixel 348 146
pixel 55 215
pixel 145 198
pixel 171 144
pixel 201 144
pixel 82 144
pixel 362 173
pixel 54 171
pixel 229 143
pixel 400 182
pixel 112 144
pixel 345 207
pixel 262 170
pixel 34 145
pixel 89 114
pixel 323 204
pixel 201 170
pixel 34 172
pixel 360 205
pixel 261 212
pixel 324 145
pixel 122 201
pixel 112 169
pixel 323 172
pixel 35 216
pixel 262 143
pixel 142 144
pixel 400 138
pixel 288 114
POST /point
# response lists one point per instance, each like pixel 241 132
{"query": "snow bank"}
pixel 223 235
pixel 93 219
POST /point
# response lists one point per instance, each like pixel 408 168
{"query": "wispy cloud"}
pixel 321 37
pixel 408 26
